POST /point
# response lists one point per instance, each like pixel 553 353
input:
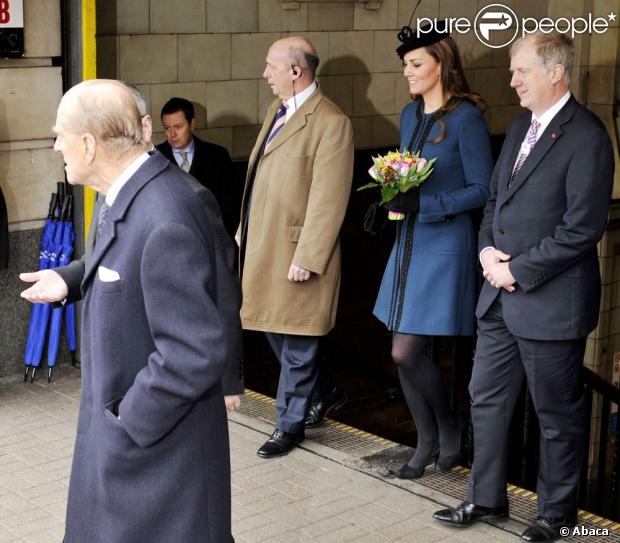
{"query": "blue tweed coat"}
pixel 429 285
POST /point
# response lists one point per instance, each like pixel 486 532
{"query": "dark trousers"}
pixel 553 373
pixel 298 357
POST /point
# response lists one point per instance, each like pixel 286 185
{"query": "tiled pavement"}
pixel 307 496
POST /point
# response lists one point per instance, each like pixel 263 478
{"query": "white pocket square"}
pixel 107 275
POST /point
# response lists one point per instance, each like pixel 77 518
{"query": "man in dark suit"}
pixel 210 164
pixel 550 193
pixel 155 342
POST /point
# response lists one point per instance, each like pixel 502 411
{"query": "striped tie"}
pixel 277 125
pixel 531 141
pixel 103 215
pixel 184 162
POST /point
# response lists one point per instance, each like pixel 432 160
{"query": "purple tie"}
pixel 531 141
pixel 277 124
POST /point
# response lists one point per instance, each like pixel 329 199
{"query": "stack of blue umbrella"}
pixel 56 249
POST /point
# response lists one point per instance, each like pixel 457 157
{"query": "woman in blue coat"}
pixel 429 286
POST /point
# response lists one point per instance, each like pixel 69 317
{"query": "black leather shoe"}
pixel 549 529
pixel 279 444
pixel 467 514
pixel 415 472
pixel 319 410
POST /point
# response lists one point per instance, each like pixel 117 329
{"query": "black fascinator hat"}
pixel 427 36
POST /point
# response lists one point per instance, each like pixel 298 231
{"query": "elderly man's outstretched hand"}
pixel 48 287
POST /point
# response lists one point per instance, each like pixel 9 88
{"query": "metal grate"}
pixel 376 456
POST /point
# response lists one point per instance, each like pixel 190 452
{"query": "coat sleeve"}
pixel 190 346
pixel 332 175
pixel 589 182
pixel 477 160
pixel 72 274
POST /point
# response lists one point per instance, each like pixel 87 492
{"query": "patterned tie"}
pixel 103 215
pixel 531 141
pixel 184 162
pixel 277 125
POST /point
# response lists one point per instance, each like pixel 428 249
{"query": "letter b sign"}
pixel 5 16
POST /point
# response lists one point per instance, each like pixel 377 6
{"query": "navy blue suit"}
pixel 549 219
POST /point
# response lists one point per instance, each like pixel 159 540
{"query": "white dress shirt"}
pixel 295 101
pixel 176 153
pixel 125 176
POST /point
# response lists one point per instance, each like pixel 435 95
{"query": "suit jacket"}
pixel 549 220
pixel 4 233
pixel 233 378
pixel 299 192
pixel 212 167
pixel 154 348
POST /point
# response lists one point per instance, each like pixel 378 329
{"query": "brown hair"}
pixel 453 81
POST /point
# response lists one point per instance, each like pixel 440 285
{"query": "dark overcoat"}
pixel 154 347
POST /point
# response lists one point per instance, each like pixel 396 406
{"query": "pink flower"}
pixel 404 169
pixel 421 165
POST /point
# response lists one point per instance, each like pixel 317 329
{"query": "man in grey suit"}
pixel 151 461
pixel 550 194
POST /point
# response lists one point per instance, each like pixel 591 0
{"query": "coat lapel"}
pixel 296 122
pixel 547 140
pixel 153 166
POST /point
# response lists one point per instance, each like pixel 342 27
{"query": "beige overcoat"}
pixel 299 197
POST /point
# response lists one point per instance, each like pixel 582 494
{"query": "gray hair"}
pixel 552 49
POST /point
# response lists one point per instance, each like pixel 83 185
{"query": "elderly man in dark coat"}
pixel 151 460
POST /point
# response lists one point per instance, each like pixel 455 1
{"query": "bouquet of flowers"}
pixel 398 172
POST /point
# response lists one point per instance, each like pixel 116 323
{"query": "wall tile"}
pixel 601 8
pixel 373 94
pixel 272 18
pixel 428 8
pixel 494 85
pixel 249 52
pixel 219 136
pixel 362 132
pixel 565 8
pixel 42 28
pixel 385 131
pixel 132 16
pixel 196 52
pixel 601 84
pixel 385 58
pixel 473 53
pixel 194 92
pixel 351 52
pixel 148 59
pixel 501 117
pixel 265 99
pixel 32 118
pixel 28 177
pixel 530 8
pixel 178 17
pixel 107 57
pixel 339 88
pixel 604 48
pixel 232 15
pixel 457 8
pixel 330 16
pixel 232 103
pixel 244 138
pixel 386 17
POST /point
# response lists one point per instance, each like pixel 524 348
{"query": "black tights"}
pixel 426 397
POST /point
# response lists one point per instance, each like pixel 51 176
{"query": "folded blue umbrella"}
pixel 38 309
pixel 65 251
